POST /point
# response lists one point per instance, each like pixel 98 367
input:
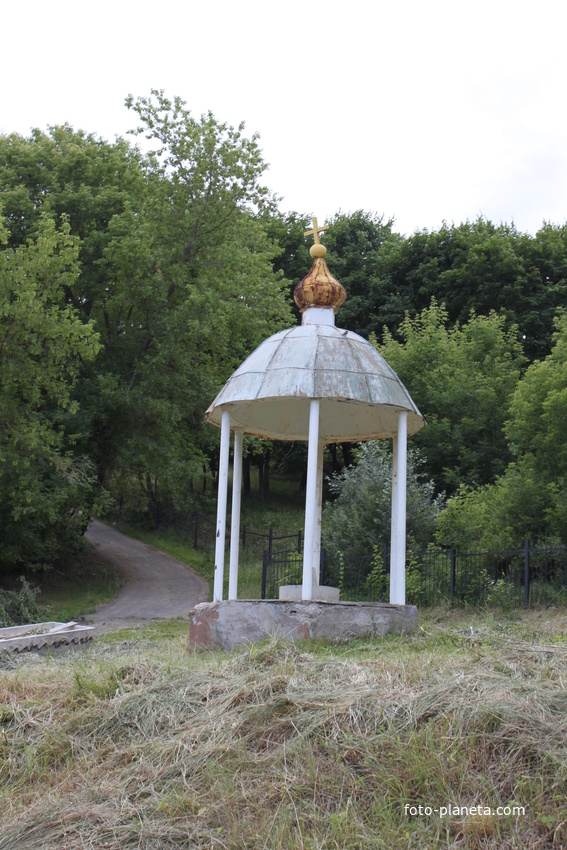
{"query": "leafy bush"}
pixel 378 580
pixel 17 608
pixel 357 522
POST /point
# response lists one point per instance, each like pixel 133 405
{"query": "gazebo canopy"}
pixel 361 396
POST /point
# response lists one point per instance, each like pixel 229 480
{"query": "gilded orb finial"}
pixel 317 249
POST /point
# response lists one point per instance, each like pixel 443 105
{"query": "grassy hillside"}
pixel 141 743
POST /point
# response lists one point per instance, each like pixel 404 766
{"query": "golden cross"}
pixel 316 231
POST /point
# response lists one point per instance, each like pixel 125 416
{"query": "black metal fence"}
pixel 202 530
pixel 528 575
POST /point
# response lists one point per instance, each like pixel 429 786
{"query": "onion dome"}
pixel 318 288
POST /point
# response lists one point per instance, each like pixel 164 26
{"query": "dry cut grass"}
pixel 145 744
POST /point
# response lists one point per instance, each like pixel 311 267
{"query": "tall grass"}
pixel 142 743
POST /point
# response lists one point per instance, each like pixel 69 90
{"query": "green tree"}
pixel 175 275
pixel 360 245
pixel 538 413
pixel 46 489
pixel 291 248
pixel 499 515
pixel 537 429
pixel 529 499
pixel 462 379
pixel 191 291
pixel 68 173
pixel 481 267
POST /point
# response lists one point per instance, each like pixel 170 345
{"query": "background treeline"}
pixel 132 284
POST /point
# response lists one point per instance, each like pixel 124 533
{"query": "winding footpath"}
pixel 154 585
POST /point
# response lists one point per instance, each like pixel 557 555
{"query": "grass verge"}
pixel 142 743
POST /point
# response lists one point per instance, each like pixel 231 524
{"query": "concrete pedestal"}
pixel 319 593
pixel 226 624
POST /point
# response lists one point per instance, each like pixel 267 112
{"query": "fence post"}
pixel 270 541
pixel 244 537
pixel 453 572
pixel 196 536
pixel 323 566
pixel 264 573
pixel 299 543
pixel 526 573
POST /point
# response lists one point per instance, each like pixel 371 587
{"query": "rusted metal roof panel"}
pixel 290 381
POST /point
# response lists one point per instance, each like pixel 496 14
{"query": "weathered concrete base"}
pixel 226 624
pixel 320 593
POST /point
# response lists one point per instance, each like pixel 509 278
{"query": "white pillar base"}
pixel 293 593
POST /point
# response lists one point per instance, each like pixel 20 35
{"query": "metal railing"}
pixel 203 534
pixel 527 575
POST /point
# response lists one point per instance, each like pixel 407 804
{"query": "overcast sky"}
pixel 421 111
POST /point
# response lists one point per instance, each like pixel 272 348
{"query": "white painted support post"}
pixel 221 507
pixel 398 556
pixel 394 520
pixel 235 515
pixel 318 514
pixel 310 501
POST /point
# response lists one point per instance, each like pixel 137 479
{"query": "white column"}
pixel 310 500
pixel 318 514
pixel 221 506
pixel 235 515
pixel 394 520
pixel 398 584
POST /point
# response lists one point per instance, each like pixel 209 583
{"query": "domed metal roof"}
pixel 360 395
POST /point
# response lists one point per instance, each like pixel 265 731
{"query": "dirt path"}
pixel 155 585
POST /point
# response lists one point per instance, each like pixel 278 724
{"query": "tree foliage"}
pixel 462 379
pixel 191 291
pixel 134 283
pixel 530 497
pixel 46 490
pixel 360 249
pixel 70 176
pixel 171 268
pixel 481 267
pixel 291 249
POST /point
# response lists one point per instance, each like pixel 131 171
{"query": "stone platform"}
pixel 226 624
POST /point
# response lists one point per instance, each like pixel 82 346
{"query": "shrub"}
pixel 357 522
pixel 18 608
